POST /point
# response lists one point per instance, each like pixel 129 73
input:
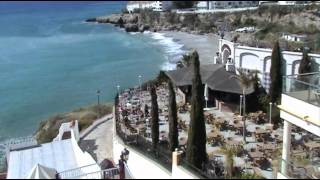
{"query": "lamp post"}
pixel 98 95
pixel 140 88
pixel 140 81
pixel 241 105
pixel 270 113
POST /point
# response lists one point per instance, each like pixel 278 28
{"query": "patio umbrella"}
pixel 206 94
pixel 42 172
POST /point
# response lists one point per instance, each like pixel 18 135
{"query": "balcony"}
pixel 305 87
pixel 300 102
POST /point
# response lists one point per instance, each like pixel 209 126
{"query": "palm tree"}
pixel 246 80
pixel 229 152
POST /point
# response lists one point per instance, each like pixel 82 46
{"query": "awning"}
pixel 42 172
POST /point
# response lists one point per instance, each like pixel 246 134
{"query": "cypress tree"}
pixel 276 74
pixel 173 119
pixel 304 67
pixel 196 146
pixel 305 63
pixel 154 118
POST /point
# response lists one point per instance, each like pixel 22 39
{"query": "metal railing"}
pixel 18 143
pixel 305 87
pixel 291 170
pixel 71 173
pixel 112 173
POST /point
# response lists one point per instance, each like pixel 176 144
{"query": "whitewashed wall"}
pixel 260 58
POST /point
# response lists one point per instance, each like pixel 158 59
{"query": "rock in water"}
pixel 131 28
pixel 91 20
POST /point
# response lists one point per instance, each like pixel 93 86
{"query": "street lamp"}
pixel 98 95
pixel 140 81
pixel 118 88
pixel 241 105
pixel 270 113
pixel 139 88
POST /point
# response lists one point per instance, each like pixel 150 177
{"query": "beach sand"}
pixel 206 45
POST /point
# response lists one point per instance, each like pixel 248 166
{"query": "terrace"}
pixel 222 128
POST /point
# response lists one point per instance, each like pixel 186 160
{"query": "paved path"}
pixel 98 141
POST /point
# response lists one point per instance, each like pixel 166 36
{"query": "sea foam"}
pixel 173 50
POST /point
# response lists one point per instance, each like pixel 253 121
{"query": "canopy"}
pixel 214 76
pixel 42 172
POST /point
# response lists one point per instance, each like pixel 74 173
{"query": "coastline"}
pixel 178 43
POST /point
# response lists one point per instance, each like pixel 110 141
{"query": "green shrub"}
pixel 49 129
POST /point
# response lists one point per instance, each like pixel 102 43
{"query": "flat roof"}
pixel 58 155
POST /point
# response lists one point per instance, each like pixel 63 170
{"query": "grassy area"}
pixel 48 129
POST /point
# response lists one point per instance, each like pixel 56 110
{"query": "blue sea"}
pixel 51 61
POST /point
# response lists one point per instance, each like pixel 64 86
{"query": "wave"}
pixel 173 49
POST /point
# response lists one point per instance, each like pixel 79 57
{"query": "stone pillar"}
pixel 286 149
pixel 176 155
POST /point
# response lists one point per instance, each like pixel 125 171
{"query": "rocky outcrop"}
pixel 131 27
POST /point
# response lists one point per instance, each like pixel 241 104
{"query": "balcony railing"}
pixel 305 87
pixel 291 170
pixel 89 172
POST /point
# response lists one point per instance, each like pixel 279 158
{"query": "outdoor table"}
pixel 256 154
pixel 312 145
pixel 233 142
pixel 268 146
pixel 260 131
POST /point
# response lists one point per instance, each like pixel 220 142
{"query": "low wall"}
pixel 140 166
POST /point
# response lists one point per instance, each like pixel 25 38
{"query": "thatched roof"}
pixel 214 75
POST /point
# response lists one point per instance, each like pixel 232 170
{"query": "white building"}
pixel 294 37
pixel 62 156
pixel 211 5
pixel 300 107
pixel 154 5
pixel 252 58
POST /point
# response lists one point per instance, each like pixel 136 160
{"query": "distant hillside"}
pixel 270 20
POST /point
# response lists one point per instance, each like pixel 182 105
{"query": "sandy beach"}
pixel 206 45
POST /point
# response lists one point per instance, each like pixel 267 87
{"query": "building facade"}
pixel 294 37
pixel 251 58
pixel 211 5
pixel 154 5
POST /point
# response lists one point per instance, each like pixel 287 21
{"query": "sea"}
pixel 52 61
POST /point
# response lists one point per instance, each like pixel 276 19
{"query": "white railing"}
pixel 83 173
pixel 18 143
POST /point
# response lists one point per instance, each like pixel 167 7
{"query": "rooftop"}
pixel 214 75
pixel 57 154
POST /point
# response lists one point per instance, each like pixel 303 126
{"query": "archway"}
pixel 226 52
pixel 267 64
pixel 249 61
pixel 295 67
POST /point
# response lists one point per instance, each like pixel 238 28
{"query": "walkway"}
pixel 97 139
